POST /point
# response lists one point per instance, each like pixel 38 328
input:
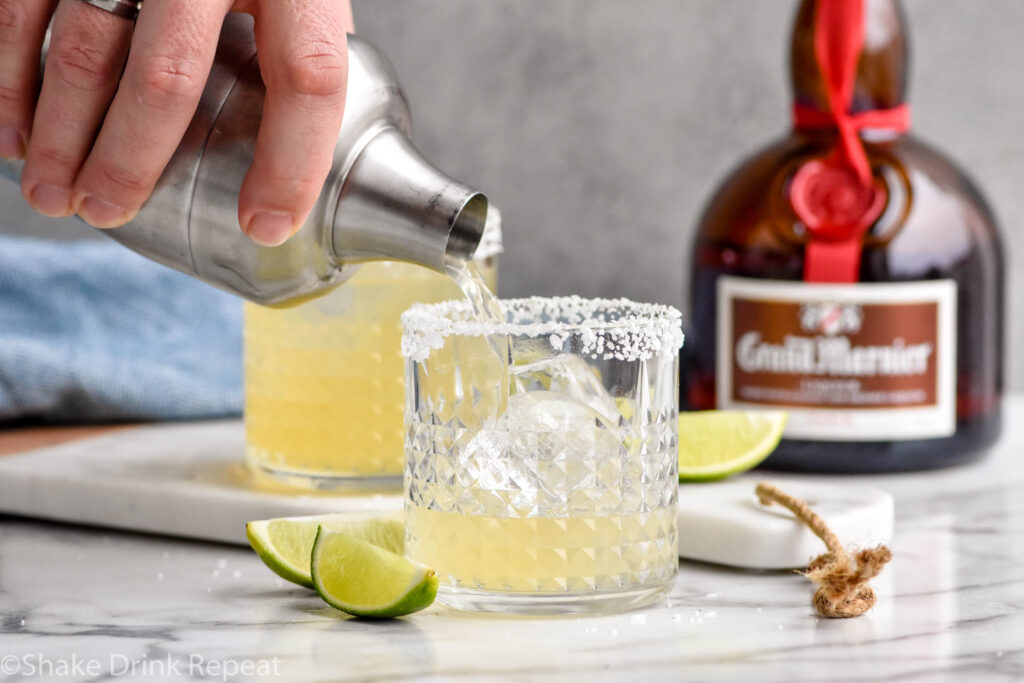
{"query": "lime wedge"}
pixel 368 581
pixel 715 444
pixel 285 544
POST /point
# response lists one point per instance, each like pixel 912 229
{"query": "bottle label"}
pixel 850 362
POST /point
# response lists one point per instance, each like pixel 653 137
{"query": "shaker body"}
pixel 190 223
pixel 380 201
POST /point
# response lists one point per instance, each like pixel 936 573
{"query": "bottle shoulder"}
pixel 748 197
pixel 933 205
pixel 948 225
pixel 932 167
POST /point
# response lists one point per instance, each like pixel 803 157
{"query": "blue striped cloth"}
pixel 91 331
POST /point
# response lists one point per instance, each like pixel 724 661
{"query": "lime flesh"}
pixel 715 444
pixel 366 580
pixel 285 544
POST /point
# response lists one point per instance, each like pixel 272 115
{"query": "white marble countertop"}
pixel 89 604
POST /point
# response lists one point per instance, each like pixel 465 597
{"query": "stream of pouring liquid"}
pixel 486 309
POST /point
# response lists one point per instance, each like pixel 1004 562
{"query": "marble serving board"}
pixel 189 479
pixel 182 479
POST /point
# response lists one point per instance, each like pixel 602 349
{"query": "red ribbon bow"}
pixel 837 197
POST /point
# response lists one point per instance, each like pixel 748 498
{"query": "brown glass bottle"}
pixel 933 228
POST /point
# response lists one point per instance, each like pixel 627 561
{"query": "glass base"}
pixel 604 602
pixel 321 481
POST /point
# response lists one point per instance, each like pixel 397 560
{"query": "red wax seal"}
pixel 834 204
pixel 837 207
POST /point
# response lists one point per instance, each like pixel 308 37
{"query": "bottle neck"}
pixel 849 76
pixel 865 38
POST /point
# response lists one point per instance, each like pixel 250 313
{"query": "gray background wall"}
pixel 600 127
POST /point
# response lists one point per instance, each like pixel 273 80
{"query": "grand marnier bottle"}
pixel 849 273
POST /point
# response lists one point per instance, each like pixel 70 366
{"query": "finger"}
pixel 303 57
pixel 88 47
pixel 22 28
pixel 171 54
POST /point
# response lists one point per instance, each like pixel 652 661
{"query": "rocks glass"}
pixel 542 452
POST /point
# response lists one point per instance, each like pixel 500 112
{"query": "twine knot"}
pixel 842 577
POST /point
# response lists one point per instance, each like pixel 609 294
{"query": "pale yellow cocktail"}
pixel 542 555
pixel 324 394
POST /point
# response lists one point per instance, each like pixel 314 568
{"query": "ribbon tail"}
pixel 832 262
pixel 851 150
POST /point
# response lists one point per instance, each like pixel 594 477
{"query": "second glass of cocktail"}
pixel 323 379
pixel 541 452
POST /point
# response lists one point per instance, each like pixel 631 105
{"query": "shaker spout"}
pixel 395 206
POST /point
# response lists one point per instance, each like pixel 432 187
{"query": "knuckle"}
pixel 286 182
pixel 119 180
pixel 81 65
pixel 9 96
pixel 171 82
pixel 13 21
pixel 54 157
pixel 284 189
pixel 316 67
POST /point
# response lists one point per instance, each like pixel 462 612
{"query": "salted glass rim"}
pixel 609 328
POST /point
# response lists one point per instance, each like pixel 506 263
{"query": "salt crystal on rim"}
pixel 609 328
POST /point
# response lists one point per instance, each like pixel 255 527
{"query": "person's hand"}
pixel 98 134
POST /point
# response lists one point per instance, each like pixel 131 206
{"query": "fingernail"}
pixel 101 214
pixel 270 228
pixel 51 200
pixel 12 144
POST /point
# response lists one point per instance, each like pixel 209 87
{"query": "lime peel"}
pixel 365 580
pixel 285 544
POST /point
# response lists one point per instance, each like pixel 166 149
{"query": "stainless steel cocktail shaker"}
pixel 381 201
